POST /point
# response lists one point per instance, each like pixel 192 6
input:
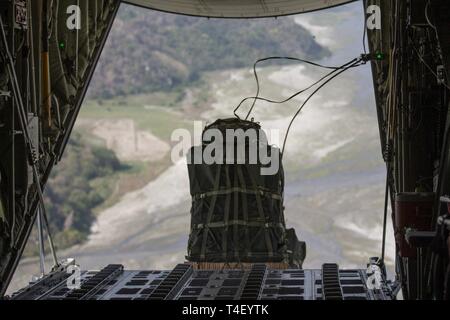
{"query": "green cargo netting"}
pixel 237 213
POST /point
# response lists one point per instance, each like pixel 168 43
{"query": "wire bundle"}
pixel 335 72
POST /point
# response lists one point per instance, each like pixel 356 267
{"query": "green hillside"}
pixel 78 184
pixel 153 56
pixel 150 51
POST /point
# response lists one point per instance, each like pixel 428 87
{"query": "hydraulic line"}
pixel 336 71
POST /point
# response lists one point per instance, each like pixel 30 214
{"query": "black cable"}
pixel 386 200
pixel 287 99
pixel 257 78
pixel 357 62
pixel 365 27
pixel 428 19
pixel 255 98
pixel 32 158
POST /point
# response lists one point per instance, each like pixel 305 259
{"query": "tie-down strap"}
pixel 222 192
pixel 223 224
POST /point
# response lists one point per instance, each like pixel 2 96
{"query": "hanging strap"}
pixel 247 247
pixel 235 217
pixel 210 214
pixel 262 216
pixel 226 216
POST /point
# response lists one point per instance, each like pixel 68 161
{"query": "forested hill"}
pixel 149 51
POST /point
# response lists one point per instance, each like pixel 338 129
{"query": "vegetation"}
pixel 75 189
pixel 149 61
pixel 152 51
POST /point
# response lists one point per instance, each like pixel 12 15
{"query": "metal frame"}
pixel 31 214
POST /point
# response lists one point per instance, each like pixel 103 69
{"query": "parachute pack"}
pixel 237 213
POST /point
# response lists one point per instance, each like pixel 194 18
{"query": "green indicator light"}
pixel 379 56
pixel 62 45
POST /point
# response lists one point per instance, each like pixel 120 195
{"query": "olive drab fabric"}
pixel 237 213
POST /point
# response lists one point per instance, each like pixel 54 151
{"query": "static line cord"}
pixel 422 59
pixel 255 98
pixel 22 121
pixel 357 62
pixel 291 97
pixel 255 72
